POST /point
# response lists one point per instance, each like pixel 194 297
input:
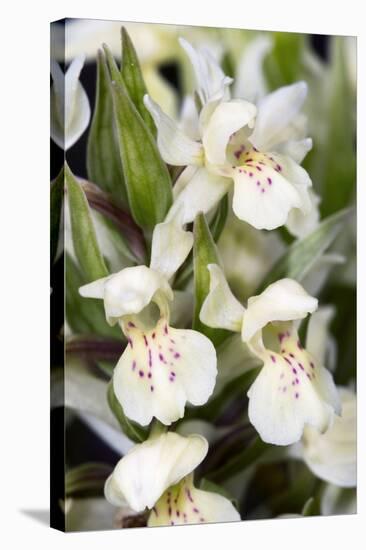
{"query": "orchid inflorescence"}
pixel 248 149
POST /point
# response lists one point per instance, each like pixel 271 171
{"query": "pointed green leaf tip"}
pixel 56 199
pixel 83 232
pixel 134 80
pixel 146 175
pixel 131 429
pixel 204 253
pixel 103 159
pixel 302 255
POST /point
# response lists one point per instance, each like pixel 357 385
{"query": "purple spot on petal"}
pixel 273 358
pixel 141 373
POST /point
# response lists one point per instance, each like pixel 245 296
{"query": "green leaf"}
pixel 104 164
pixel 204 253
pixel 240 462
pixel 131 429
pixel 84 315
pixel 134 80
pixel 302 255
pixel 83 232
pixel 56 200
pixel 146 175
pixel 282 65
pixel 312 507
pixel 218 221
pixel 336 154
pixel 87 478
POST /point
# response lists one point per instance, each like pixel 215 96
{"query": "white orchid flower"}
pixel 162 367
pixel 255 149
pixel 157 475
pixel 332 456
pixel 70 109
pixel 151 467
pixel 293 389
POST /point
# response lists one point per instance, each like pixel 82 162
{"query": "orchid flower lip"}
pixel 184 504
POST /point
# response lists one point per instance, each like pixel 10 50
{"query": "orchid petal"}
pixel 221 309
pixel 151 467
pixel 284 300
pixel 175 147
pixel 296 149
pixel 302 221
pixel 291 391
pixel 189 120
pixel 276 111
pixel 227 118
pixel 170 246
pixel 317 336
pixel 250 82
pixel 161 369
pixel 184 504
pixel 262 196
pixel 211 82
pixel 69 104
pixel 128 291
pixel 200 194
pixel 332 456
